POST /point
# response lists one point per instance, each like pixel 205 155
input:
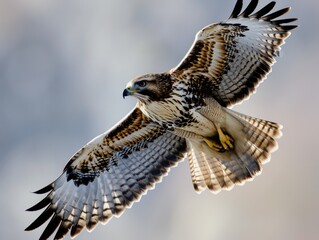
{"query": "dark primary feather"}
pixel 237 9
pixel 51 227
pixel 275 14
pixel 47 213
pixel 249 9
pixel 264 10
pixel 287 20
pixel 46 189
pixel 43 203
pixel 127 161
pixel 261 14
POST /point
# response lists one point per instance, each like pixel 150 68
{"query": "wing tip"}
pixel 51 227
pixel 46 189
pixel 276 14
pixel 43 203
pixel 288 27
pixel 262 13
pixel 41 219
pixel 237 9
pixel 249 9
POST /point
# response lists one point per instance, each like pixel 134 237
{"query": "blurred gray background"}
pixel 63 66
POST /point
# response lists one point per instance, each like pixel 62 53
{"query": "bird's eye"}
pixel 141 83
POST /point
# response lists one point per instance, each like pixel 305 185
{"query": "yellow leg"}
pixel 214 145
pixel 225 140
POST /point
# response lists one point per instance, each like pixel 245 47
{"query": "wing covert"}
pixel 107 175
pixel 235 56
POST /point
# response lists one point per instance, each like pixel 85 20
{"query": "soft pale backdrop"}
pixel 63 66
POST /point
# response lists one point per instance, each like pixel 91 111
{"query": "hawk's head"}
pixel 149 87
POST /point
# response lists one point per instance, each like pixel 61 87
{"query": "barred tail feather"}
pixel 209 171
pixel 254 141
pixel 271 128
pixel 260 135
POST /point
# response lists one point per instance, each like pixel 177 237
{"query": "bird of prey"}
pixel 182 113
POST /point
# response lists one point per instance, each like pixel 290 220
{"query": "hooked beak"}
pixel 127 92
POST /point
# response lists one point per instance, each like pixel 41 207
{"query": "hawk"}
pixel 182 113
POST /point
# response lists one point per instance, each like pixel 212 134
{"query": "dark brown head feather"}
pixel 159 86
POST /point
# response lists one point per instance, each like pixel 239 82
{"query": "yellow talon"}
pixel 220 143
pixel 225 140
pixel 213 145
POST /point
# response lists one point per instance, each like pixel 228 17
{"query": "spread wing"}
pixel 108 175
pixel 236 55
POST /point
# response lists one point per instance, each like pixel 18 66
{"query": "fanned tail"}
pixel 254 141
